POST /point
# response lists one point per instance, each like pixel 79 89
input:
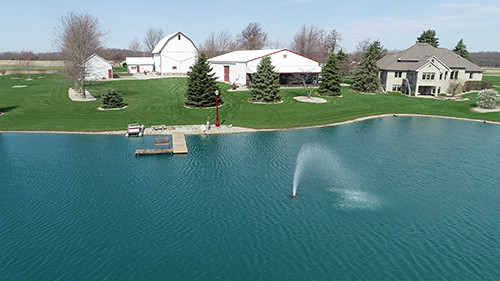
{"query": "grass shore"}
pixel 44 106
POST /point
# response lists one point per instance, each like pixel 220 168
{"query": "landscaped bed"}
pixel 45 105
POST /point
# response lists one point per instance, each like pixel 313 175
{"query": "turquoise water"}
pixel 391 198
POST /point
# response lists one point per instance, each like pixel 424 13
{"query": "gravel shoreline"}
pixel 228 129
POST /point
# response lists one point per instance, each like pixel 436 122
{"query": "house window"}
pixel 445 75
pixel 454 75
pixel 396 88
pixel 471 75
pixel 440 76
pixel 428 76
pixel 174 67
pixel 398 74
pixel 179 36
pixel 439 90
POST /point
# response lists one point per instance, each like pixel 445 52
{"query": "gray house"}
pixel 425 70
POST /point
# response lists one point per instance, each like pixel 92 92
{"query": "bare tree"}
pixel 26 57
pixel 314 42
pixel 252 37
pixel 153 36
pixel 307 80
pixel 276 44
pixel 361 48
pixel 77 37
pixel 118 58
pixel 218 44
pixel 135 45
pixel 331 43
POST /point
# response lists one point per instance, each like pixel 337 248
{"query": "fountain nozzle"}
pixel 294 195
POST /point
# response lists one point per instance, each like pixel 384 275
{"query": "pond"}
pixel 388 198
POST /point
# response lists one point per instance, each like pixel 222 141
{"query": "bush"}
pixel 488 99
pixel 477 85
pixel 454 88
pixel 124 64
pixel 112 99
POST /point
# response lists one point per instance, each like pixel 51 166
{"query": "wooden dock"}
pixel 179 143
pixel 178 146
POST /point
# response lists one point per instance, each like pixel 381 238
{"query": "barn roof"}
pixel 244 56
pixel 164 41
pixel 419 54
pixel 139 61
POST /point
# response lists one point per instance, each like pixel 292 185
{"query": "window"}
pixel 179 36
pixel 439 90
pixel 471 75
pixel 174 67
pixel 396 88
pixel 440 76
pixel 398 74
pixel 428 76
pixel 445 75
pixel 454 75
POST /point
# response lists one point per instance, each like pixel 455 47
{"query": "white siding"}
pixel 97 68
pixel 177 55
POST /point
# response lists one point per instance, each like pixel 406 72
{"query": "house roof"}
pixel 139 61
pixel 419 54
pixel 94 55
pixel 244 56
pixel 164 41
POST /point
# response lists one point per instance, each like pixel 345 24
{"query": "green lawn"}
pixel 493 78
pixel 44 105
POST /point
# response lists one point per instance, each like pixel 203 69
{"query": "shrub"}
pixel 478 85
pixel 488 99
pixel 112 99
pixel 124 64
pixel 454 88
pixel 3 71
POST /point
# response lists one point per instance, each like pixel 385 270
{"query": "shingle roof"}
pixel 417 55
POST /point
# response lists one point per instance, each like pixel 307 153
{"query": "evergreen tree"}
pixel 461 50
pixel 344 65
pixel 201 85
pixel 265 83
pixel 329 81
pixel 429 37
pixel 366 75
pixel 379 49
pixel 112 99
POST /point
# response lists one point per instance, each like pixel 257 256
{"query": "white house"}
pixel 175 53
pixel 425 70
pixel 238 66
pixel 98 68
pixel 139 64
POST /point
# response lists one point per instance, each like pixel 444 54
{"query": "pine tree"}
pixel 329 81
pixel 461 50
pixel 380 50
pixel 201 85
pixel 429 37
pixel 366 75
pixel 265 83
pixel 344 65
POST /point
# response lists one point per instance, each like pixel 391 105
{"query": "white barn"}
pixel 139 64
pixel 98 68
pixel 175 53
pixel 238 66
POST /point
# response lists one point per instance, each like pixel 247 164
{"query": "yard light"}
pixel 217 124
